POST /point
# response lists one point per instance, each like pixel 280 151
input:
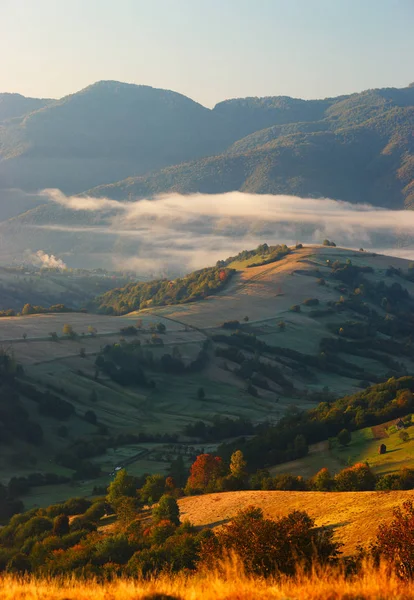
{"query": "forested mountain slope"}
pixel 357 147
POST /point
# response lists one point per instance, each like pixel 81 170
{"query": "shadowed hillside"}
pixel 357 148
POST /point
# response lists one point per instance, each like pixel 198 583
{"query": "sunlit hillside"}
pixel 315 321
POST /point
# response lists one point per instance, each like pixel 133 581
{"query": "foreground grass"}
pixel 227 584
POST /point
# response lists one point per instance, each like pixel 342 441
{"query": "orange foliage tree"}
pixel 204 473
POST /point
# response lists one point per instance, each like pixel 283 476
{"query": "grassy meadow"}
pixel 363 447
pixel 227 583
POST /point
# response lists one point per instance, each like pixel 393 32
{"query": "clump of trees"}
pixel 269 547
pixel 135 296
pixel 374 405
pixel 265 254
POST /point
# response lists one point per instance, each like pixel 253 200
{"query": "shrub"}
pixel 167 509
pixel 153 489
pixel 311 302
pixel 322 481
pixel 61 525
pixel 358 478
pixel 404 436
pixel 267 547
pixel 344 437
pixel 395 540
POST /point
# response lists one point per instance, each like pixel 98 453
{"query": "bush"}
pixel 395 541
pixel 267 547
pixel 358 478
pixel 167 509
pixel 344 437
pixel 311 302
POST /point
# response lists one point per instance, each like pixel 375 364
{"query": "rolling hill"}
pixel 353 515
pixel 276 338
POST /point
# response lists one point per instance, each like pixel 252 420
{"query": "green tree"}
pixel 68 330
pixel 61 525
pixel 322 481
pixel 153 489
pixel 238 465
pixel 358 478
pixel 19 564
pixel 123 485
pixel 126 509
pixel 167 508
pixel 27 309
pixel 344 437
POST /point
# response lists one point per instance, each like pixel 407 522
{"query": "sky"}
pixel 209 50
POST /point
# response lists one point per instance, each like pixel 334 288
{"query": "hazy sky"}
pixel 209 50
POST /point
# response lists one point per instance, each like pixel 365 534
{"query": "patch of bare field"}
pixel 353 515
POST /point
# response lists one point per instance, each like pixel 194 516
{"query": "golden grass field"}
pixel 355 516
pixel 227 583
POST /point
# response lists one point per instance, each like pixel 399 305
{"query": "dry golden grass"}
pixel 355 516
pixel 227 584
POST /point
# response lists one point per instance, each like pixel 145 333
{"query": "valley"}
pixel 260 337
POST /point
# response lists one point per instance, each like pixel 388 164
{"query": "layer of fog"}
pixel 175 233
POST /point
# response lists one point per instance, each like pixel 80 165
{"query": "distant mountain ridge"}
pixel 103 133
pixel 16 105
pixel 127 141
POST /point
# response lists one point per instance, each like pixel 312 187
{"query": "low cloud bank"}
pixel 175 233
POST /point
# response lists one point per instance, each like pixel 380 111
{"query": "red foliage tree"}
pixel 204 472
pixel 395 540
